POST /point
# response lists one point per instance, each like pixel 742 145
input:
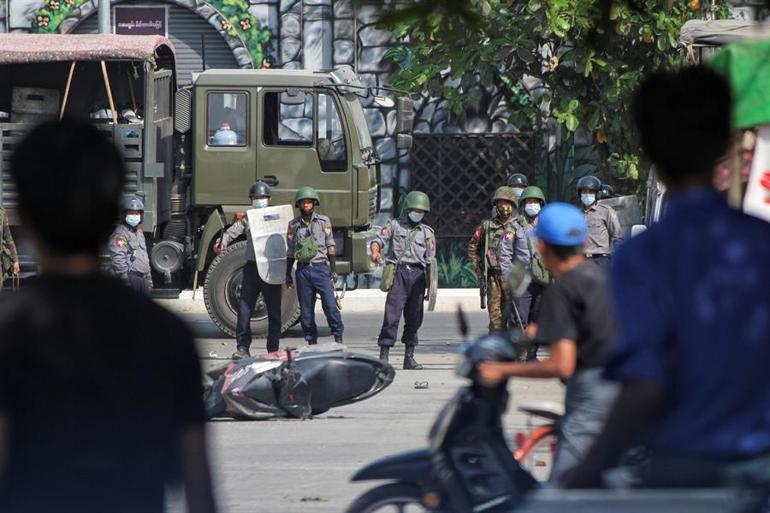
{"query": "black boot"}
pixel 241 353
pixel 338 339
pixel 384 351
pixel 409 362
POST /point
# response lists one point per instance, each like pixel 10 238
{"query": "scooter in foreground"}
pixel 468 465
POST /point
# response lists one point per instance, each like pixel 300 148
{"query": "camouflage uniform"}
pixel 8 254
pixel 491 231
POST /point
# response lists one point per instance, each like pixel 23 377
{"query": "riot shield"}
pixel 432 284
pixel 268 236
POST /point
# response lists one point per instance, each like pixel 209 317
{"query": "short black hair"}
pixel 70 179
pixel 564 252
pixel 683 119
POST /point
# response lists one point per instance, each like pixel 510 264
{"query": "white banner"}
pixel 757 199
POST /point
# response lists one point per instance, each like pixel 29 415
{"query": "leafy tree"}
pixel 575 62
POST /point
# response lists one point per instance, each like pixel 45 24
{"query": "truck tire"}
pixel 222 289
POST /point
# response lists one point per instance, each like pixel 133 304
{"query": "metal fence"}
pixel 460 172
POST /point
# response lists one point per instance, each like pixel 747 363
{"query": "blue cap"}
pixel 561 224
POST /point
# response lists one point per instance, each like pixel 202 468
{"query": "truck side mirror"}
pixel 183 110
pixel 404 115
pixel 403 141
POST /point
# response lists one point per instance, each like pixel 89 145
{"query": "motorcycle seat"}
pixel 549 410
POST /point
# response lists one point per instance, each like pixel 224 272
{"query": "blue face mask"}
pixel 588 199
pixel 133 220
pixel 260 202
pixel 416 217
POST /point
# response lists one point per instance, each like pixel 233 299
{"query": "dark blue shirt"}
pixel 692 296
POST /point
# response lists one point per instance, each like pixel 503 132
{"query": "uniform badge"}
pixel 120 241
pixel 507 235
pixel 328 229
pixel 477 233
pixel 432 244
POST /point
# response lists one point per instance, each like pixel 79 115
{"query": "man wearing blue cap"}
pixel 574 322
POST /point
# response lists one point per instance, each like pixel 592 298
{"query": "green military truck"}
pixel 192 153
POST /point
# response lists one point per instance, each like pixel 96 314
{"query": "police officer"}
pixel 311 244
pixel 518 247
pixel 9 257
pixel 252 283
pixel 411 246
pixel 518 182
pixel 128 249
pixel 482 253
pixel 603 225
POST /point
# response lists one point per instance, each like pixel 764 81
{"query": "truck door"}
pixel 225 150
pixel 303 141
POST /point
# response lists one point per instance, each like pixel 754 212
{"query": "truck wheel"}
pixel 222 289
pixel 390 497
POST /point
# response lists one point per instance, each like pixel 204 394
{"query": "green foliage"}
pixel 575 61
pixel 233 18
pixel 454 269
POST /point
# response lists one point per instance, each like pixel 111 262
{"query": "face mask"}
pixel 259 203
pixel 133 220
pixel 415 217
pixel 504 211
pixel 588 199
pixel 517 191
pixel 532 209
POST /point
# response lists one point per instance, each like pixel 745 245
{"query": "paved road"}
pixel 292 466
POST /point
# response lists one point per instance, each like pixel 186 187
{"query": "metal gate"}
pixel 460 173
pixel 184 29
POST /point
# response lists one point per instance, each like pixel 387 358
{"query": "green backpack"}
pixel 540 274
pixel 306 248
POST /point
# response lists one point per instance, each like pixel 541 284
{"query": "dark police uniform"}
pixel 411 247
pixel 314 275
pixel 252 285
pixel 129 259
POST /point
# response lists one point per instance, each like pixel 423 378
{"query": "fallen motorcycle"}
pixel 467 466
pixel 295 383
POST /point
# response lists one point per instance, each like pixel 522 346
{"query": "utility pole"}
pixel 105 25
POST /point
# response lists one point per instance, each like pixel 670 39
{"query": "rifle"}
pixel 483 278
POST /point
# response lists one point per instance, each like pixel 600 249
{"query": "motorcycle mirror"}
pixel 462 322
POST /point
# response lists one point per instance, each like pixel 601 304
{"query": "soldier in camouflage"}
pixel 483 255
pixel 9 257
pixel 129 259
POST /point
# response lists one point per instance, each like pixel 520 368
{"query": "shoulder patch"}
pixel 328 228
pixel 477 233
pixel 508 235
pixel 120 241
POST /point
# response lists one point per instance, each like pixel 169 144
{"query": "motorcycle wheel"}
pixel 392 497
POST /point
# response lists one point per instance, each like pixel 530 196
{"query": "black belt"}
pixel 598 255
pixel 311 264
pixel 411 266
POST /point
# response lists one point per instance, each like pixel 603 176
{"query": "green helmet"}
pixel 507 194
pixel 532 192
pixel 417 199
pixel 306 193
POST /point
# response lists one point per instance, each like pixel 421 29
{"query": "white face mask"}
pixel 133 220
pixel 260 203
pixel 588 199
pixel 416 217
pixel 532 209
pixel 518 191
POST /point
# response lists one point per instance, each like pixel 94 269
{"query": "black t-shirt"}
pixel 576 306
pixel 96 382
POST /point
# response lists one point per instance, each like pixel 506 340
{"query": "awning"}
pixel 30 48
